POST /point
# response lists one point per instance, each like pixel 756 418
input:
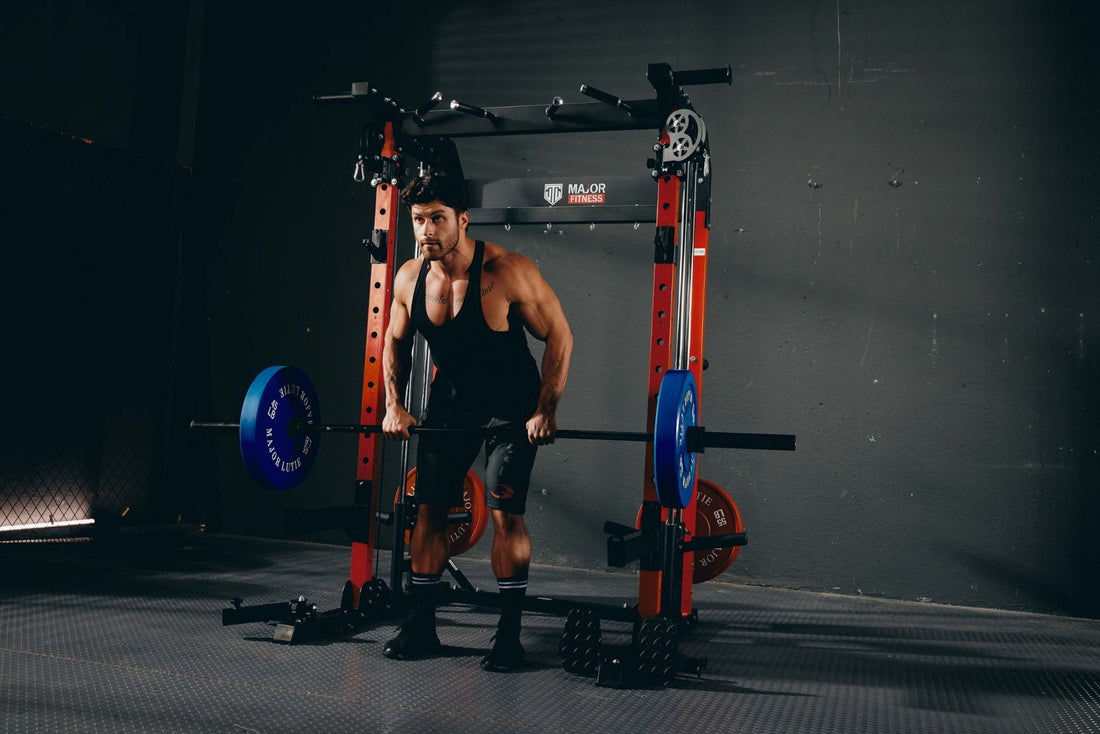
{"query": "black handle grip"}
pixel 602 96
pixel 320 99
pixel 426 107
pixel 469 109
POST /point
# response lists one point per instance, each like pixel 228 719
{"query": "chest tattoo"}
pixel 486 290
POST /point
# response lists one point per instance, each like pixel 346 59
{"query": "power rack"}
pixel 676 197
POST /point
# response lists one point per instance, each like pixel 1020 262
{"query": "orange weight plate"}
pixel 715 514
pixel 463 536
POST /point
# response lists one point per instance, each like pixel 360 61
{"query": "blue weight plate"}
pixel 673 464
pixel 276 453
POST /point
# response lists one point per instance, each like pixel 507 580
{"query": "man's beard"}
pixel 445 247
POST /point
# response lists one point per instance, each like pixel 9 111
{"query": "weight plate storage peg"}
pixel 464 535
pixel 277 452
pixel 673 463
pixel 715 514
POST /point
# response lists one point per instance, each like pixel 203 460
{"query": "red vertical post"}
pixel 369 469
pixel 660 356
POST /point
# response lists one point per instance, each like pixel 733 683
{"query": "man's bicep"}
pixel 543 312
pixel 399 332
pixel 557 324
pixel 400 324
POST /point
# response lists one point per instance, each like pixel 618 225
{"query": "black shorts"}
pixel 442 460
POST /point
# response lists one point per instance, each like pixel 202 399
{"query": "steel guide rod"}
pixel 681 324
pixel 674 592
pixel 681 337
pixel 402 506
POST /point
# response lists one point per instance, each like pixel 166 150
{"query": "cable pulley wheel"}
pixel 686 132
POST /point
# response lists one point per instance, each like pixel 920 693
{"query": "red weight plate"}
pixel 715 514
pixel 463 536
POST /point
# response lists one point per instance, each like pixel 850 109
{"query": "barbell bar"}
pixel 699 439
pixel 280 429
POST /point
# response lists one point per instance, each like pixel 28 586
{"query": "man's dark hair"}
pixel 437 186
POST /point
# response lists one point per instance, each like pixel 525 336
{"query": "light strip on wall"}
pixel 40 525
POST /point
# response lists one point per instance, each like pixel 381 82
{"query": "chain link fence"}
pixel 91 287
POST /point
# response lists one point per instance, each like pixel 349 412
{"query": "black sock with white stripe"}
pixel 424 592
pixel 512 592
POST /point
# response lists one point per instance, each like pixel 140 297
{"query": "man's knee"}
pixel 509 524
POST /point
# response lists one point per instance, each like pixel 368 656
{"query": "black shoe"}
pixel 507 655
pixel 413 642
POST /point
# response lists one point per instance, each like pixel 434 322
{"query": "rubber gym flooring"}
pixel 126 636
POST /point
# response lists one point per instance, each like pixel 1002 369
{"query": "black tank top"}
pixel 481 370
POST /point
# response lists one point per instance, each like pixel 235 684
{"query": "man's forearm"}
pixel 555 370
pixel 395 372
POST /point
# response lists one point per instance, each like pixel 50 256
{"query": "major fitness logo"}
pixel 552 193
pixel 579 193
pixel 593 193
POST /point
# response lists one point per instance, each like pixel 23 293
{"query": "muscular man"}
pixel 472 301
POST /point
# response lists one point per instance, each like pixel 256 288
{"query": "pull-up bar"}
pixel 609 113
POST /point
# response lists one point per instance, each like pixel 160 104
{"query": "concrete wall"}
pixel 903 268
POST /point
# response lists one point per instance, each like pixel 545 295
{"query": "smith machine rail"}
pixel 680 170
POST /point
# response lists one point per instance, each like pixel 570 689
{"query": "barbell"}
pixel 280 429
